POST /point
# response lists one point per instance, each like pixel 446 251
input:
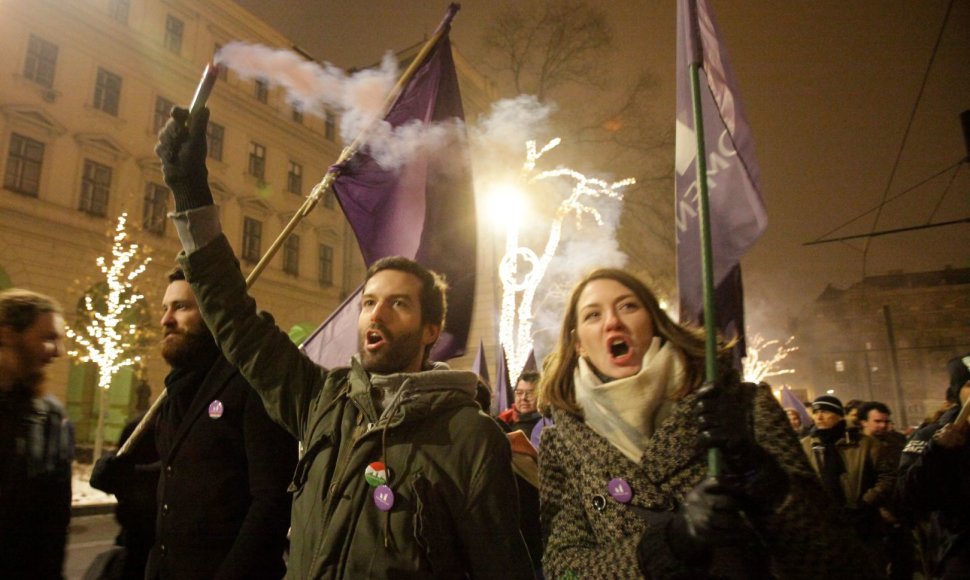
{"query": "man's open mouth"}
pixel 373 339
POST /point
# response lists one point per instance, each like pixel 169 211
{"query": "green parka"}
pixel 455 510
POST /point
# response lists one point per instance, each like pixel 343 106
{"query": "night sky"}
pixel 829 87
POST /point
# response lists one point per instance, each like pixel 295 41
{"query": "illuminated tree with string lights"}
pixel 515 323
pixel 107 334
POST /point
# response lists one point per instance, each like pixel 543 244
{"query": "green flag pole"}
pixel 714 456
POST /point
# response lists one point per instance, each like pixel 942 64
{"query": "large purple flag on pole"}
pixel 424 211
pixel 737 212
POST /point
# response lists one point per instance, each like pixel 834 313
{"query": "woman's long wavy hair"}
pixel 556 389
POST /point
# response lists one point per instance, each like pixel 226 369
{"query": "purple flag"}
pixel 737 211
pixel 480 367
pixel 530 362
pixel 790 401
pixel 424 211
pixel 503 397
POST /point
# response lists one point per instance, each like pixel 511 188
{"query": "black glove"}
pixel 182 150
pixel 726 422
pixel 111 472
pixel 679 544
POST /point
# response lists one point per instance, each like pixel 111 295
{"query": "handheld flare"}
pixel 202 92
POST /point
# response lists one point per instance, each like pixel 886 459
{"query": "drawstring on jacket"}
pixel 387 415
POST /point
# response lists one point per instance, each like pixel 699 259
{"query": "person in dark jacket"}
pixel 135 489
pixel 36 440
pixel 223 505
pixel 403 476
pixel 856 472
pixel 934 478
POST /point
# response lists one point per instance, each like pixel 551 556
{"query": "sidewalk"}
pixel 86 500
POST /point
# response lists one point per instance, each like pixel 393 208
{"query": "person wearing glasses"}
pixel 523 414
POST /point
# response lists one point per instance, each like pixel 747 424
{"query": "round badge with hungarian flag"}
pixel 376 474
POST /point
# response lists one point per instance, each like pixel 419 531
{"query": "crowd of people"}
pixel 645 467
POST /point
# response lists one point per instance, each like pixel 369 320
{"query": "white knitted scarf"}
pixel 626 411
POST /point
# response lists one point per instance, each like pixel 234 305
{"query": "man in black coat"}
pixel 223 505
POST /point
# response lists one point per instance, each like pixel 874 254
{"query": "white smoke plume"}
pixel 358 98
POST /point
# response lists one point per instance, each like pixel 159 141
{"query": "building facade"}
pixel 886 338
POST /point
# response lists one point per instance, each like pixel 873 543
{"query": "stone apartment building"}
pixel 886 338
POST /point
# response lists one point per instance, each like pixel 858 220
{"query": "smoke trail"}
pixel 358 98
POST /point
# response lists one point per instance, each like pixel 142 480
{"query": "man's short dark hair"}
pixel 175 274
pixel 434 306
pixel 872 405
pixel 529 377
pixel 852 404
pixel 19 308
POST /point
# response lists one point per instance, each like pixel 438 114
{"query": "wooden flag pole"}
pixel 317 192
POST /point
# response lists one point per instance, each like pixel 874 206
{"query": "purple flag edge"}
pixel 334 342
pixel 480 365
pixel 502 399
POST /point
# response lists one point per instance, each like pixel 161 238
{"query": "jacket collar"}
pixel 672 447
pixel 419 394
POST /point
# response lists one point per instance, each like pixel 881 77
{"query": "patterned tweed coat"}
pixel 587 534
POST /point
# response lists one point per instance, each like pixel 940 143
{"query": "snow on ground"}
pixel 83 493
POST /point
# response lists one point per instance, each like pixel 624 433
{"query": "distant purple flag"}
pixel 503 397
pixel 790 401
pixel 737 211
pixel 424 211
pixel 480 367
pixel 530 362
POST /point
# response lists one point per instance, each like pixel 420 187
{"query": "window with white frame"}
pixel 330 126
pixel 325 275
pixel 155 209
pixel 118 9
pixel 174 29
pixel 107 92
pixel 95 188
pixel 215 134
pixel 257 160
pixel 252 239
pixel 291 255
pixel 261 90
pixel 24 162
pixel 294 178
pixel 41 61
pixel 163 110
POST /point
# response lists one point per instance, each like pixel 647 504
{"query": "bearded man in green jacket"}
pixel 402 475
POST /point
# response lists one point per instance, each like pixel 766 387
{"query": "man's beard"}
pixel 183 349
pixel 395 356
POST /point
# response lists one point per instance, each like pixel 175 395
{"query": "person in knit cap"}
pixel 855 470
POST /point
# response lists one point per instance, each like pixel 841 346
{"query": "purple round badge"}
pixel 383 498
pixel 620 490
pixel 216 409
